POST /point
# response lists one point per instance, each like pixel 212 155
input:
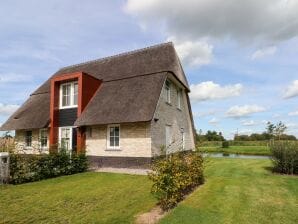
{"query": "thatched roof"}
pixel 131 86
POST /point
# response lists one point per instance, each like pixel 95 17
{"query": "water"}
pixel 231 155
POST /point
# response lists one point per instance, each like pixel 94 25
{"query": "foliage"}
pixel 6 144
pixel 28 168
pixel 209 136
pixel 175 176
pixel 225 144
pixel 285 157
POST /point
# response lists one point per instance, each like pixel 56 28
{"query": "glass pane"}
pixel 116 141
pixel 75 94
pixel 112 131
pixel 116 131
pixel 112 141
pixel 66 95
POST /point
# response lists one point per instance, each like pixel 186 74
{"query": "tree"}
pixel 270 129
pixel 279 130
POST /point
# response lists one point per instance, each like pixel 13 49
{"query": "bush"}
pixel 28 168
pixel 175 176
pixel 285 157
pixel 225 144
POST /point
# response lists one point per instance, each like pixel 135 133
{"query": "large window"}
pixel 168 92
pixel 43 138
pixel 113 136
pixel 65 137
pixel 28 139
pixel 69 95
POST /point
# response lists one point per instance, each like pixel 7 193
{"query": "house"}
pixel 122 110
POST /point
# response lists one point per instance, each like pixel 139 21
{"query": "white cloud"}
pixel 6 109
pixel 268 51
pixel 248 123
pixel 293 113
pixel 267 21
pixel 213 121
pixel 193 53
pixel 243 111
pixel 243 132
pixel 211 91
pixel 292 90
pixel 205 113
pixel 12 77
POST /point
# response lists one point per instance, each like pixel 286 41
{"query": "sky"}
pixel 240 58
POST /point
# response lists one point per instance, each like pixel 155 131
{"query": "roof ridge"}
pixel 116 55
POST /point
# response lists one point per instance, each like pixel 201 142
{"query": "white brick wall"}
pixel 135 141
pixel 20 142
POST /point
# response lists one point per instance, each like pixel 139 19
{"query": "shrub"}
pixel 285 157
pixel 28 168
pixel 175 176
pixel 225 144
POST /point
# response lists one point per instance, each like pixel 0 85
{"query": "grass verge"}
pixel 245 150
pixel 240 191
pixel 81 198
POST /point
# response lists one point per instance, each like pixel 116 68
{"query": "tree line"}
pixel 272 131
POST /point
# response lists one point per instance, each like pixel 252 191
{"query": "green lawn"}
pixel 240 191
pixel 81 198
pixel 246 150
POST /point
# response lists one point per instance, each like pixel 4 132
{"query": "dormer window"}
pixel 68 95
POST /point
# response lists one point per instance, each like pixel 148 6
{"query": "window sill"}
pixel 69 107
pixel 179 109
pixel 169 103
pixel 112 149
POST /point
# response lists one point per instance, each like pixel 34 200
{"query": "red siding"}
pixel 87 86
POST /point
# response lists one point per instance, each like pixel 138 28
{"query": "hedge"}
pixel 29 168
pixel 175 176
pixel 285 156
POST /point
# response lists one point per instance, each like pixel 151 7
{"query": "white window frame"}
pixel 71 105
pixel 108 137
pixel 70 137
pixel 168 91
pixel 47 146
pixel 179 98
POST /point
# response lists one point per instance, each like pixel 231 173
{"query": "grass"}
pixel 240 191
pixel 81 198
pixel 245 150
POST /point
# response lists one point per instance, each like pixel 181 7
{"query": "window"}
pixel 28 138
pixel 43 138
pixel 168 92
pixel 168 135
pixel 179 98
pixel 69 95
pixel 114 136
pixel 65 137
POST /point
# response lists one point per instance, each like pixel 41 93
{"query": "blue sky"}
pixel 240 59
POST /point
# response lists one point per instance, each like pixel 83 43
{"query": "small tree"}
pixel 280 128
